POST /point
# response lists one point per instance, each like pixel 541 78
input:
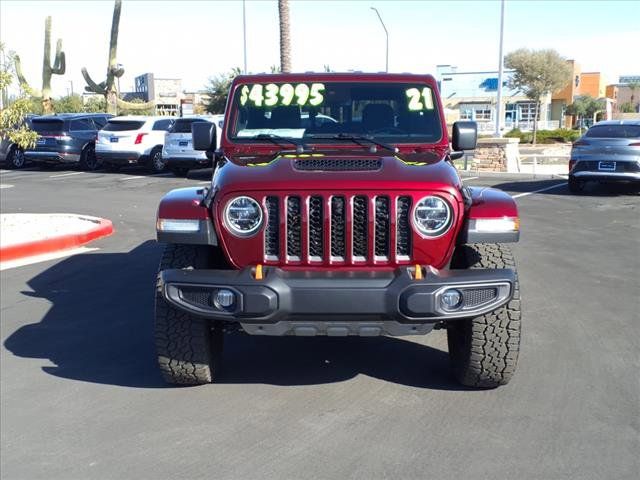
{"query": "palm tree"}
pixel 285 39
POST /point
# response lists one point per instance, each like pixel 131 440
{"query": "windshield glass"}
pixel 316 111
pixel 47 126
pixel 614 131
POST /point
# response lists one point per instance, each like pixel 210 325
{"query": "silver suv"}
pixel 178 152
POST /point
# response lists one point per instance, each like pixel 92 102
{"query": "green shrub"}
pixel 560 135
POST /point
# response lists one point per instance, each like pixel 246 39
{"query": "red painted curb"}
pixel 54 244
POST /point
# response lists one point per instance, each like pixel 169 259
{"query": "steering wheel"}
pixel 391 130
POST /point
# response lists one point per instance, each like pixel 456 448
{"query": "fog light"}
pixel 451 299
pixel 224 298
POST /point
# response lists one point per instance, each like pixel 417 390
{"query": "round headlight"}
pixel 432 216
pixel 243 216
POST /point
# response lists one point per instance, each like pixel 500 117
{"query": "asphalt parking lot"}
pixel 82 397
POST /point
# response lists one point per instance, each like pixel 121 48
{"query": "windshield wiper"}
pixel 277 139
pixel 357 139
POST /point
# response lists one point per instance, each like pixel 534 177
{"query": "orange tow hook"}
pixel 259 275
pixel 418 274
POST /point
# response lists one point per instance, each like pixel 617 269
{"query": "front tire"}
pixel 15 158
pixel 188 347
pixel 484 350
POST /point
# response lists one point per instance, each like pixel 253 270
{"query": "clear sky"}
pixel 195 40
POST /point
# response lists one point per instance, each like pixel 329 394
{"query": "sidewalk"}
pixel 28 234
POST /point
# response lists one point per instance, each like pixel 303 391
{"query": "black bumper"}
pixel 121 158
pixel 286 300
pixel 187 162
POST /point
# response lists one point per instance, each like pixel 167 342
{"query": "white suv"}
pixel 178 152
pixel 133 140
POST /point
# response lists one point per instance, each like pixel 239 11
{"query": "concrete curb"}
pixel 66 241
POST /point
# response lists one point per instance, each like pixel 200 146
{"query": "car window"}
pixel 163 125
pixel 614 131
pixel 122 125
pixel 100 122
pixel 183 125
pixel 81 124
pixel 47 126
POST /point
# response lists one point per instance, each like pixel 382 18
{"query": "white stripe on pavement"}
pixel 67 174
pixel 5 185
pixel 468 178
pixel 540 190
pixel 124 179
pixel 45 257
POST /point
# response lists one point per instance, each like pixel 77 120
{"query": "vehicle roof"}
pixel 141 117
pixel 335 76
pixel 629 121
pixel 66 116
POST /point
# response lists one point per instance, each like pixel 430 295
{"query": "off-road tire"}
pixel 575 185
pixel 188 347
pixel 484 350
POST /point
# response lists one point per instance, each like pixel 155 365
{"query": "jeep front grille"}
pixel 338 165
pixel 350 229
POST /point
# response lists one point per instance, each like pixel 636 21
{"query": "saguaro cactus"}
pixel 109 88
pixel 59 67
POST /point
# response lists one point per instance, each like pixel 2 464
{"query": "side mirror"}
pixel 465 136
pixel 203 136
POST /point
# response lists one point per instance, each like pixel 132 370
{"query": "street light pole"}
pixel 244 34
pixel 499 95
pixel 387 35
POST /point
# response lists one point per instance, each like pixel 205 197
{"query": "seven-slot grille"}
pixel 338 228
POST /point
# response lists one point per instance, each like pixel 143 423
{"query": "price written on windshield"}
pixel 420 99
pixel 286 94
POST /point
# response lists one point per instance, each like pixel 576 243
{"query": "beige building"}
pixel 166 93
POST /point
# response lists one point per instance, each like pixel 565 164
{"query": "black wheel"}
pixel 15 157
pixel 575 185
pixel 179 171
pixel 188 347
pixel 88 159
pixel 156 162
pixel 484 350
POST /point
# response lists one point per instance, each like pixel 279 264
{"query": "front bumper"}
pixel 337 303
pixel 121 158
pixel 51 157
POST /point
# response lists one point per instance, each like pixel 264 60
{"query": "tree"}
pixel 108 88
pixel 58 68
pixel 12 125
pixel 585 106
pixel 537 73
pixel 69 104
pixel 95 105
pixel 218 90
pixel 285 38
pixel 633 86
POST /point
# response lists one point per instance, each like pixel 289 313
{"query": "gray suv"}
pixel 67 138
pixel 11 155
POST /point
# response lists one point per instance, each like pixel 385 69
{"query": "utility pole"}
pixel 387 35
pixel 244 34
pixel 500 61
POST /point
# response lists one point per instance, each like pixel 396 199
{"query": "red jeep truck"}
pixel 335 209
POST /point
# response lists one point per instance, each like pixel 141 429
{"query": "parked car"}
pixel 178 153
pixel 133 140
pixel 608 152
pixel 357 225
pixel 11 154
pixel 66 138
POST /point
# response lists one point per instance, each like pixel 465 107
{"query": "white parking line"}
pixel 124 179
pixel 5 185
pixel 67 174
pixel 520 195
pixel 468 178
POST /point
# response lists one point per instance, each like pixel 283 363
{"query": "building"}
pixel 166 93
pixel 473 95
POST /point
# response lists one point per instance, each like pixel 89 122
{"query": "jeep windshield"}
pixel 323 112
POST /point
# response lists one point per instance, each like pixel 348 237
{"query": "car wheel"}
pixel 180 171
pixel 188 347
pixel 88 159
pixel 156 162
pixel 484 350
pixel 15 158
pixel 575 185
